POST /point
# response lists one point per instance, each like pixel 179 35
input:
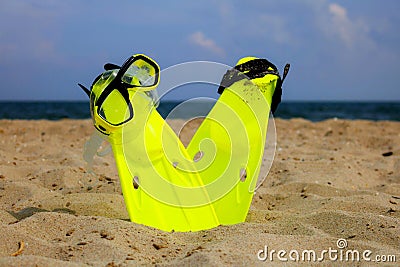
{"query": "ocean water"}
pixel 314 111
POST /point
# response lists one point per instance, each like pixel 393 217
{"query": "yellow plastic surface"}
pixel 165 188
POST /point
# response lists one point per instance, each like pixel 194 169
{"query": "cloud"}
pixel 349 31
pixel 199 39
pixel 338 11
pixel 342 24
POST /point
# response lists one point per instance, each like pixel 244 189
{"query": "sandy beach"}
pixel 335 179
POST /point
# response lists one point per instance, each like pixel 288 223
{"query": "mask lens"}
pixel 115 110
pixel 141 73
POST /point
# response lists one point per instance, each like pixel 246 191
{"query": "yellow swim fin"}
pixel 160 189
pixel 236 126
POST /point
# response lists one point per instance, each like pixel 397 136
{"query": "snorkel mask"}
pixel 111 92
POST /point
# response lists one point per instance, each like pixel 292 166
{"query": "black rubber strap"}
pixel 252 69
pixel 285 71
pixel 229 78
pixel 111 66
pixel 277 96
pixel 257 65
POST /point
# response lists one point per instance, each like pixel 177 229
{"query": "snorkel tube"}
pixel 162 183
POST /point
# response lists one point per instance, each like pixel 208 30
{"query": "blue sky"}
pixel 339 50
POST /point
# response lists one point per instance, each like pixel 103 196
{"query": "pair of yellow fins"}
pixel 210 182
